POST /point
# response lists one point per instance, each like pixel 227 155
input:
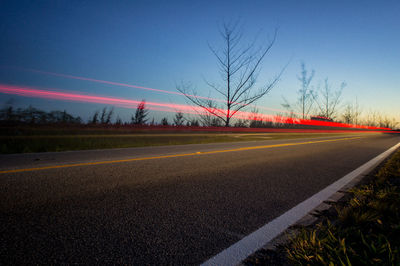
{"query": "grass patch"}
pixel 363 230
pixel 85 142
pixel 26 139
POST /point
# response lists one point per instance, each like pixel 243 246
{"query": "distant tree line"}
pixel 239 64
pixel 325 101
pixel 105 117
pixel 31 115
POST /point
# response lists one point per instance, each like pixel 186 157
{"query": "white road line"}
pixel 259 238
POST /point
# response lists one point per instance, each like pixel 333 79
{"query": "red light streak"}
pixel 65 96
pixel 259 130
pixel 113 83
pixel 142 88
pixel 164 107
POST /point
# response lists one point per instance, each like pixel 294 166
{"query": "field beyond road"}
pixel 26 140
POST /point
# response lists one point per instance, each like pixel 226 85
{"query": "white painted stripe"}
pixel 259 238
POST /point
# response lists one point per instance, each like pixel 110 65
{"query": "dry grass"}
pixel 366 229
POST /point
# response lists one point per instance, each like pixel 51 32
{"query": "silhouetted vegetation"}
pixel 31 116
pixel 164 121
pixel 34 116
pixel 193 123
pixel 323 101
pixel 103 118
pixel 179 119
pixel 34 130
pixel 140 114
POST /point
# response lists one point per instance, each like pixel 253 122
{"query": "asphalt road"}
pixel 170 205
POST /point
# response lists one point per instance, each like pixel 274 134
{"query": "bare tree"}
pixel 305 100
pixel 348 114
pixel 372 118
pixel 329 100
pixel 207 117
pixel 280 120
pixel 241 123
pixel 352 113
pixel 239 66
pixel 356 112
pixel 387 122
pixel 255 119
pixel 209 120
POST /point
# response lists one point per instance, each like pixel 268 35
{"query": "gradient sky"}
pixel 158 44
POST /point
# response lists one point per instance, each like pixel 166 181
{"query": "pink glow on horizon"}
pixel 163 107
pixel 143 88
pixel 47 94
pixel 112 83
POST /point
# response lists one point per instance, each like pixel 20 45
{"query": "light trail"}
pixel 165 107
pixel 144 88
pixel 112 83
pixel 66 96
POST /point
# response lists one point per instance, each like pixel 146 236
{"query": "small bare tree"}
pixel 305 100
pixel 255 119
pixel 329 100
pixel 387 122
pixel 356 112
pixel 348 114
pixel 241 123
pixel 207 117
pixel 352 113
pixel 239 67
pixel 376 119
pixel 371 118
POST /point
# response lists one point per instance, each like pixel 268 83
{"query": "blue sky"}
pixel 160 43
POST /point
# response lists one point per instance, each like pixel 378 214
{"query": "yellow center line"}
pixel 171 156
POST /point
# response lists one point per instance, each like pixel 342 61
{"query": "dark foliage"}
pixel 140 114
pixel 31 115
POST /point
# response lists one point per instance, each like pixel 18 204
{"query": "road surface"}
pixel 162 205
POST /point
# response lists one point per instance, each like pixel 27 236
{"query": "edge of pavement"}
pixel 276 231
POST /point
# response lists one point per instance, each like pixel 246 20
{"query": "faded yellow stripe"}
pixel 170 156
